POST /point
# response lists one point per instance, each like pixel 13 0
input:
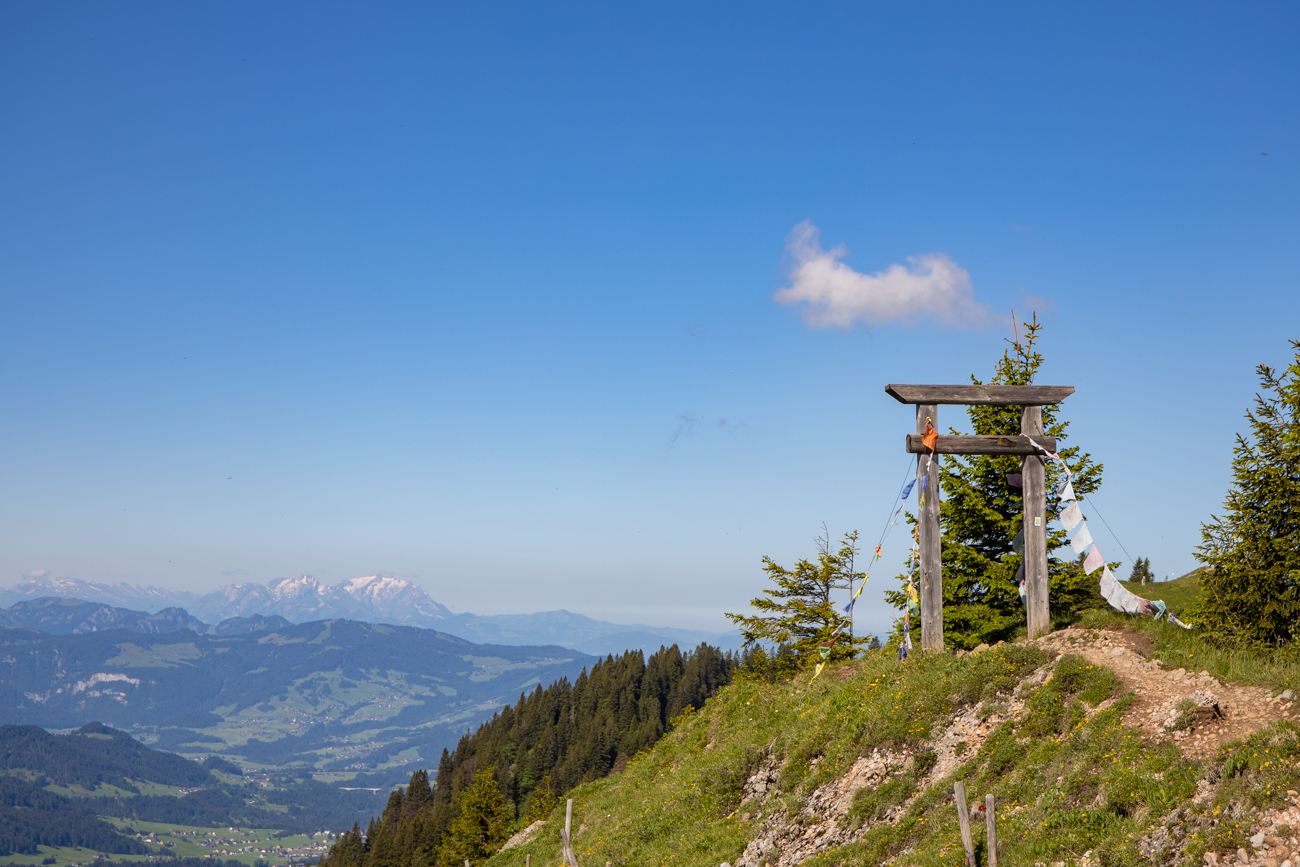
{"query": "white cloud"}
pixel 930 287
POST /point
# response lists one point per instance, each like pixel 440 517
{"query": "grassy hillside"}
pixel 858 767
pixel 1178 594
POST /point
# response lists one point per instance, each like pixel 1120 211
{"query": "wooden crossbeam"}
pixel 981 395
pixel 981 445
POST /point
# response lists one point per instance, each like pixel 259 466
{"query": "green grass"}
pixel 1068 778
pixel 1183 648
pixel 1178 594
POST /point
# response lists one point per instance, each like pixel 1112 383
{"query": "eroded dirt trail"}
pixel 1226 713
pixel 1241 710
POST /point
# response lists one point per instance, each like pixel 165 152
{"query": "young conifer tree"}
pixel 1141 571
pixel 799 610
pixel 980 513
pixel 1250 595
pixel 482 825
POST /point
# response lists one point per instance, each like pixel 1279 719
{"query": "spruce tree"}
pixel 481 824
pixel 1250 595
pixel 980 513
pixel 798 611
pixel 1141 571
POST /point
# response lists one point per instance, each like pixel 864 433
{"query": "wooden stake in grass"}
pixel 963 819
pixel 565 837
pixel 991 823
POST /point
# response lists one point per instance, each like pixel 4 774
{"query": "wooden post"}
pixel 528 861
pixel 963 819
pixel 566 835
pixel 991 824
pixel 1034 494
pixel 931 590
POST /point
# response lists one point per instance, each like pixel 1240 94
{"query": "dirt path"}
pixel 1241 710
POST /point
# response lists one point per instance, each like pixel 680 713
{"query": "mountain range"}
pixel 325 697
pixel 371 599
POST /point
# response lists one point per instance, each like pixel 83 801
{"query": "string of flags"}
pixel 913 608
pixel 824 649
pixel 1071 516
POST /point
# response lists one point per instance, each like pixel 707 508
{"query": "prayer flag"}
pixel 1015 480
pixel 1067 492
pixel 931 437
pixel 1093 561
pixel 1082 539
pixel 1071 516
pixel 908 488
pixel 1107 584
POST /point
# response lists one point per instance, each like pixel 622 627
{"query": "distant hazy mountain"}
pixel 77 617
pixel 327 696
pixel 151 599
pixel 372 599
pixel 579 632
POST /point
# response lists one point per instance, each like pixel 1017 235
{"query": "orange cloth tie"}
pixel 931 437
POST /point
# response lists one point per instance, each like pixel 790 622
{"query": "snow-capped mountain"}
pixel 374 598
pixel 371 599
pixel 133 596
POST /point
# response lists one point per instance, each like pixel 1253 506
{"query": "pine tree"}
pixel 543 801
pixel 480 827
pixel 980 513
pixel 1250 595
pixel 1141 571
pixel 550 741
pixel 799 611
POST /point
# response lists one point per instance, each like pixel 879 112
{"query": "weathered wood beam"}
pixel 929 539
pixel 1034 497
pixel 980 445
pixel 981 395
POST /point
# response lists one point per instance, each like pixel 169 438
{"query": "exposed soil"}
pixel 1241 710
pixel 1193 709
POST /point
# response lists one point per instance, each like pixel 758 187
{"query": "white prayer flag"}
pixel 1067 493
pixel 1082 539
pixel 1071 515
pixel 1120 597
pixel 1108 584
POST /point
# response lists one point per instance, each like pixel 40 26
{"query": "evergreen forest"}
pixel 515 767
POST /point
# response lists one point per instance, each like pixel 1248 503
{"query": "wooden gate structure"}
pixel 1031 399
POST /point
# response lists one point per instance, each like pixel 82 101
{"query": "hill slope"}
pixel 335 696
pixel 1097 753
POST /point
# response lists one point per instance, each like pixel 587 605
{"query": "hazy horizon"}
pixel 592 307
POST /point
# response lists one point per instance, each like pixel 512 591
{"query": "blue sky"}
pixel 482 295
